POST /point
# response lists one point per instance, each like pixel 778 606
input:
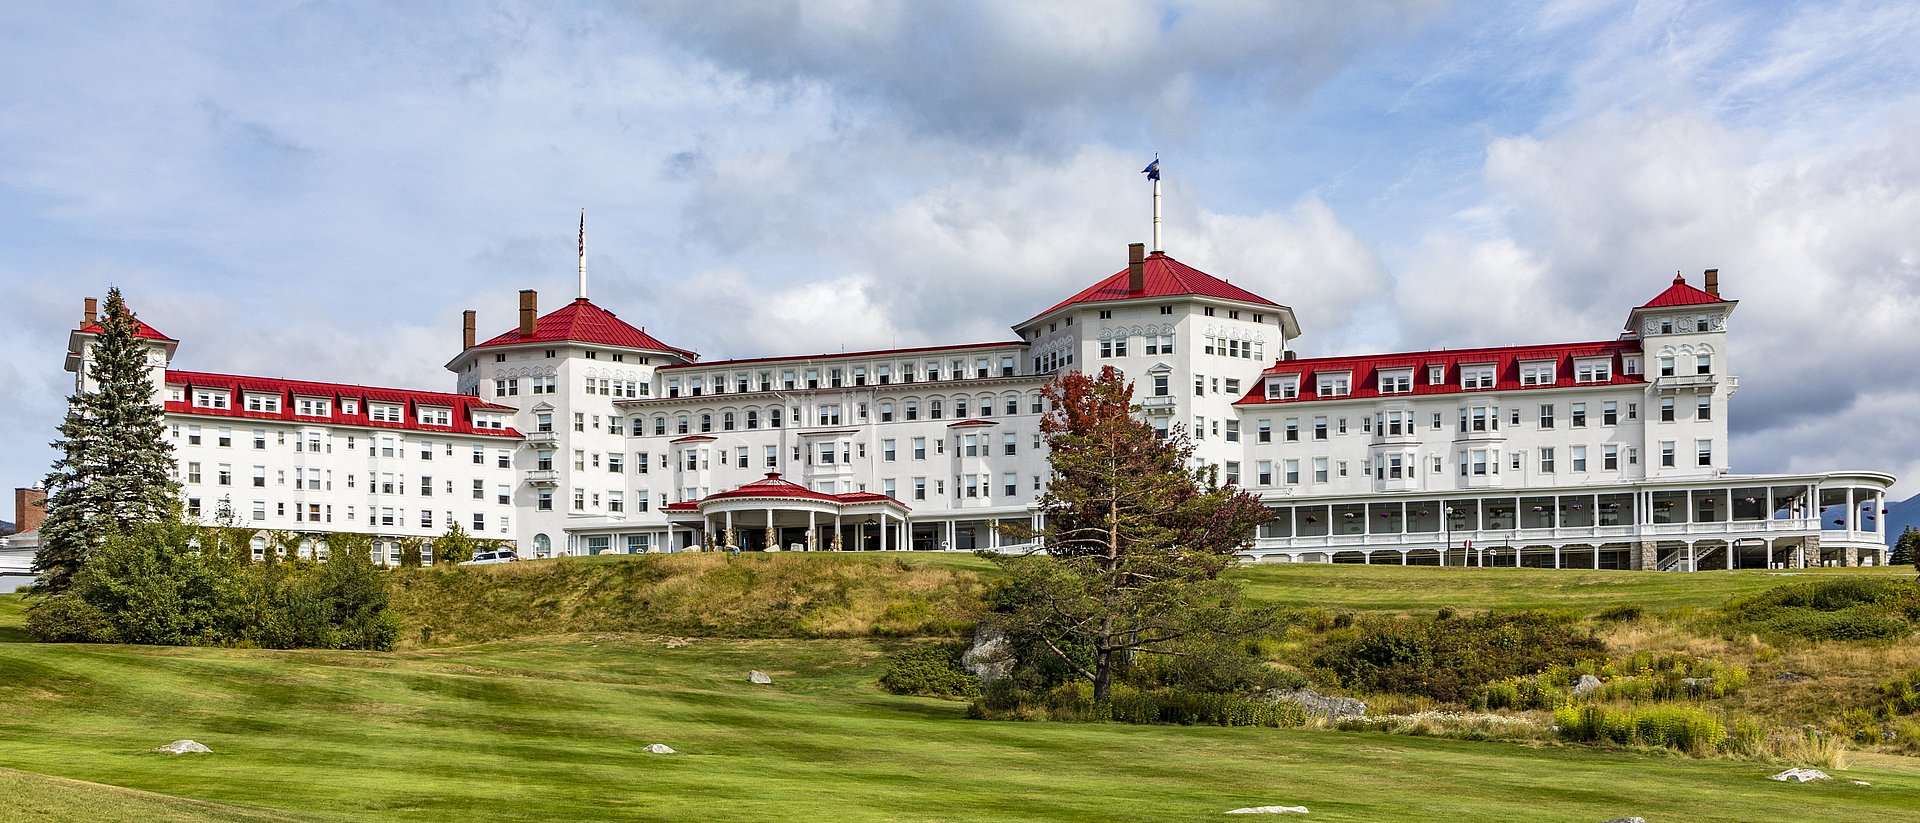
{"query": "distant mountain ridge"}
pixel 5 528
pixel 1901 515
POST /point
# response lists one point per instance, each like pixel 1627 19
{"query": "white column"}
pixel 813 537
pixel 836 530
pixel 953 534
pixel 773 537
pixel 1729 553
pixel 884 528
pixel 1556 556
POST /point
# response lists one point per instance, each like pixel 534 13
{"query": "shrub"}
pixel 931 670
pixel 1843 608
pixel 1682 728
pixel 1452 660
pixel 67 619
pixel 1621 614
pixel 1073 702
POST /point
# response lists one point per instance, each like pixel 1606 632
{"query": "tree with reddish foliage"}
pixel 1135 542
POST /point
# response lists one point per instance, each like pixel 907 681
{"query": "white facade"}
pixel 578 433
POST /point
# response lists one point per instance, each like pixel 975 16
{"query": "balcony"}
pixel 1157 406
pixel 1675 382
pixel 545 438
pixel 543 477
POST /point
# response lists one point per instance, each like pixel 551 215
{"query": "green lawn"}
pixel 551 730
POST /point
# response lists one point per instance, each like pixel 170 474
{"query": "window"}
pixel 1546 461
pixel 1010 443
pixel 1396 382
pixel 263 403
pixel 1666 453
pixel 1546 415
pixel 1283 388
pixel 426 486
pixel 1232 473
pixel 1703 408
pixel 1263 431
pixel 1319 470
pixel 1666 410
pixel 1593 371
pixel 226 437
pixel 1610 457
pixel 1436 375
pixel 1536 374
pixel 1334 385
pixel 1293 430
pixel 1579 415
pixel 1705 450
pixel 1293 472
pixel 1666 367
pixel 1320 428
pixel 434 416
pixel 830 414
pixel 919 448
pixel 544 502
pixel 193 472
pixel 210 399
pixel 1579 458
pixel 1610 412
pixel 773 457
pixel 260 476
pixel 614 503
pixel 383 412
pixel 919 488
pixel 1011 482
pixel 1703 364
pixel 1233 431
pixel 1476 377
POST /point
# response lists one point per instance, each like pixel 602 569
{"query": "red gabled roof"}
pixel 461 404
pixel 1165 277
pixel 773 486
pixel 145 331
pixel 1365 370
pixel 583 322
pixel 1681 294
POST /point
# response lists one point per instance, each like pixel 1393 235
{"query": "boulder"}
pixel 760 677
pixel 1791 677
pixel 1331 707
pixel 1628 820
pixel 1270 810
pixel 990 657
pixel 657 748
pixel 1801 776
pixel 184 747
pixel 1587 683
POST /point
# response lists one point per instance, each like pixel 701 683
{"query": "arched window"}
pixel 660 424
pixel 726 421
pixel 706 423
pixel 541 545
pixel 753 419
pixel 680 424
pixel 959 408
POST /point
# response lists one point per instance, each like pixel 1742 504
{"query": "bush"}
pixel 67 619
pixel 1844 608
pixel 1682 728
pixel 931 670
pixel 1454 659
pixel 1621 614
pixel 1073 702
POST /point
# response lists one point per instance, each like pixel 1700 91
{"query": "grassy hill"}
pixel 566 669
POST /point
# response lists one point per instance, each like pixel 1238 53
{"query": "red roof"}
pixel 1681 294
pixel 772 486
pixel 583 322
pixel 145 331
pixel 1165 277
pixel 693 438
pixel 1364 370
pixel 461 405
pixel 973 422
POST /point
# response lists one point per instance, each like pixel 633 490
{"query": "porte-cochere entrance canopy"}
pixel 772 514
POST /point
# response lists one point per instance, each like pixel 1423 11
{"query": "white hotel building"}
pixel 577 433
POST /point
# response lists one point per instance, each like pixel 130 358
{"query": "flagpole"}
pixel 583 254
pixel 1156 205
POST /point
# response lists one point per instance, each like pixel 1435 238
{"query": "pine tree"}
pixel 114 473
pixel 1136 539
pixel 1906 550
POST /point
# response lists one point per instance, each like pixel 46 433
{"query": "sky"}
pixel 316 190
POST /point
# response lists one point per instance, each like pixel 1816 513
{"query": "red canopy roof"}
pixel 583 322
pixel 1165 277
pixel 773 486
pixel 1681 294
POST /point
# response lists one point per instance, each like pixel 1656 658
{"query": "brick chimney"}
pixel 29 510
pixel 1136 268
pixel 91 313
pixel 529 312
pixel 466 329
pixel 1713 282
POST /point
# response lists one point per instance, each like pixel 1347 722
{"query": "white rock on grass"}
pixel 1801 776
pixel 657 748
pixel 1270 810
pixel 760 677
pixel 1628 820
pixel 1587 683
pixel 184 747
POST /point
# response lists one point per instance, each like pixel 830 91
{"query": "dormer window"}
pixel 312 406
pixel 1537 374
pixel 383 412
pixel 489 421
pixel 1593 370
pixel 1398 381
pixel 211 399
pixel 264 403
pixel 1476 377
pixel 350 406
pixel 1334 385
pixel 434 415
pixel 1436 375
pixel 1283 388
pixel 1630 365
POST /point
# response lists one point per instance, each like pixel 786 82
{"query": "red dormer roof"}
pixel 1681 294
pixel 1364 370
pixel 583 322
pixel 1165 277
pixel 461 405
pixel 145 331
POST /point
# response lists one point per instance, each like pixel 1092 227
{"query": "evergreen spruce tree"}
pixel 114 473
pixel 1906 550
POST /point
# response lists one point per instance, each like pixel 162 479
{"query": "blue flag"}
pixel 1152 171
